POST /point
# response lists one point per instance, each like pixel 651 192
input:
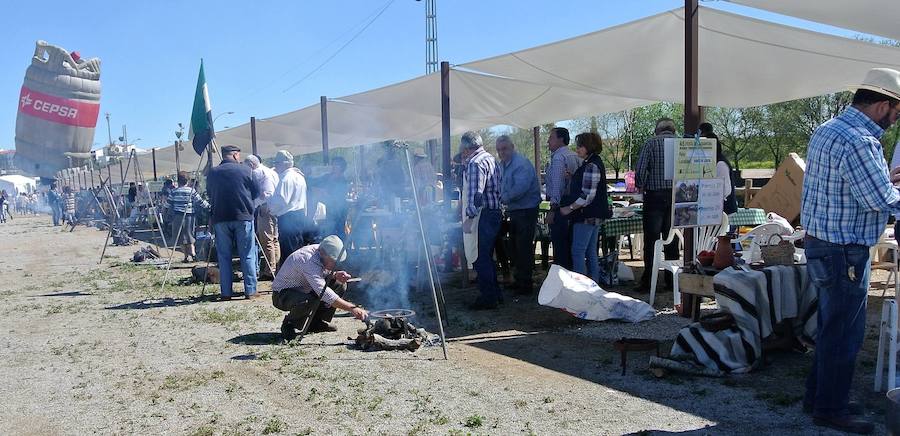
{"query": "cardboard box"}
pixel 784 191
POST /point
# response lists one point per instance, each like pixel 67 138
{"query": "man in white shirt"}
pixel 266 229
pixel 288 204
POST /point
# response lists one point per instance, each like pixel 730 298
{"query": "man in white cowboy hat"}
pixel 288 204
pixel 301 281
pixel 848 196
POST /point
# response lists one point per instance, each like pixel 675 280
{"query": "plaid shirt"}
pixel 304 270
pixel 650 173
pixel 484 182
pixel 563 163
pixel 847 193
pixel 589 184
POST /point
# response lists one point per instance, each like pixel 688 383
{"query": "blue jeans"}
pixel 840 274
pixel 561 238
pixel 240 234
pixel 57 214
pixel 584 250
pixel 488 228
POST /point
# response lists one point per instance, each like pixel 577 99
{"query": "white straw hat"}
pixel 883 81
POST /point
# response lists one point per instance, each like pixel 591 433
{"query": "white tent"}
pixel 14 184
pixel 742 62
pixel 875 17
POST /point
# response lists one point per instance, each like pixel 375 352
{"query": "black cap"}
pixel 230 148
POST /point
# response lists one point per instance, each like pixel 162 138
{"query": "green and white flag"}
pixel 201 131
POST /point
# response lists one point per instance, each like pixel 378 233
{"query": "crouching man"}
pixel 300 283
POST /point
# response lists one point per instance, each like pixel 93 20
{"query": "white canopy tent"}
pixel 875 17
pixel 743 62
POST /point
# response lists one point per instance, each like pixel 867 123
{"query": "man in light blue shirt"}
pixel 847 198
pixel 520 194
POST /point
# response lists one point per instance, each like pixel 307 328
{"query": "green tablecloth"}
pixel 627 226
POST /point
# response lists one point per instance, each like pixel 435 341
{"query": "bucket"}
pixel 58 107
pixel 893 412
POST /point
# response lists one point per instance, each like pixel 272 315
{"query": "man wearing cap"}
pixel 423 174
pixel 288 204
pixel 266 229
pixel 848 196
pixel 301 281
pixel 232 192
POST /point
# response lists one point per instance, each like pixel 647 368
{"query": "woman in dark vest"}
pixel 587 205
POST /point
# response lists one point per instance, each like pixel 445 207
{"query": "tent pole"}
pixel 691 104
pixel 253 136
pixel 153 156
pixel 445 130
pixel 536 132
pixel 177 156
pixel 323 107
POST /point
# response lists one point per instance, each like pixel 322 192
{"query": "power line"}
pixel 309 58
pixel 339 50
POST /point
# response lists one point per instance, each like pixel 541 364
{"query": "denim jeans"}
pixel 230 234
pixel 488 228
pixel 584 250
pixel 561 238
pixel 840 274
pixel 57 214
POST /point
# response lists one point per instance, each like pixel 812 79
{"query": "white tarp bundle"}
pixel 585 299
pixel 743 62
pixel 875 17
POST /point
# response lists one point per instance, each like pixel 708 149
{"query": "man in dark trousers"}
pixel 520 194
pixel 649 177
pixel 231 193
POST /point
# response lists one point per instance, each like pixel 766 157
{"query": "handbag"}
pixel 781 253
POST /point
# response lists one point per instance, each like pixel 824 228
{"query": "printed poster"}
pixel 696 191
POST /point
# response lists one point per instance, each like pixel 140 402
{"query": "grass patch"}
pixel 203 430
pixel 474 421
pixel 274 425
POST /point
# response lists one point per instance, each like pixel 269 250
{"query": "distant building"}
pixel 7 163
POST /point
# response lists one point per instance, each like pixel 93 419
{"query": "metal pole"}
pixel 434 295
pixel 253 136
pixel 323 107
pixel 445 130
pixel 691 105
pixel 536 132
pixel 177 156
pixel 92 172
pixel 153 156
pixel 121 172
pixel 108 172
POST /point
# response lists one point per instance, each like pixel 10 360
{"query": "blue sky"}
pixel 254 51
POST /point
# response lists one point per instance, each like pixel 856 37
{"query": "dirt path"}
pixel 97 349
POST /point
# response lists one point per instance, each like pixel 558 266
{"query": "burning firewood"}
pixel 388 332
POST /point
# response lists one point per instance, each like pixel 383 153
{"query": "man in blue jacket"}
pixel 520 194
pixel 231 194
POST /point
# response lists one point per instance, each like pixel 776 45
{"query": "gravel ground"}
pixel 99 349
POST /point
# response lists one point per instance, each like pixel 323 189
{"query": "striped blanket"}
pixel 758 300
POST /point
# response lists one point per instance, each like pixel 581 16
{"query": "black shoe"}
pixel 288 331
pixel 853 408
pixel 846 423
pixel 481 305
pixel 322 326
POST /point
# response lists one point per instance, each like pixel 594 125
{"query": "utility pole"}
pixel 108 129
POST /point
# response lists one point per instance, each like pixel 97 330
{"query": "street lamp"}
pixel 222 114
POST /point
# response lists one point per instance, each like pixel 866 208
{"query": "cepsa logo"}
pixel 47 107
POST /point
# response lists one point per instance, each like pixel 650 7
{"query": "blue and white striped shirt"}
pixel 847 192
pixel 484 182
pixel 563 163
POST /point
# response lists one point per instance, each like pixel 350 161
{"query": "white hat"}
pixel 332 246
pixel 419 152
pixel 284 156
pixel 883 81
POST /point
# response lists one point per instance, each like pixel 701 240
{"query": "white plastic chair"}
pixel 758 235
pixel 704 239
pixel 887 336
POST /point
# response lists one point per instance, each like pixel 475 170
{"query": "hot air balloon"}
pixel 58 107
